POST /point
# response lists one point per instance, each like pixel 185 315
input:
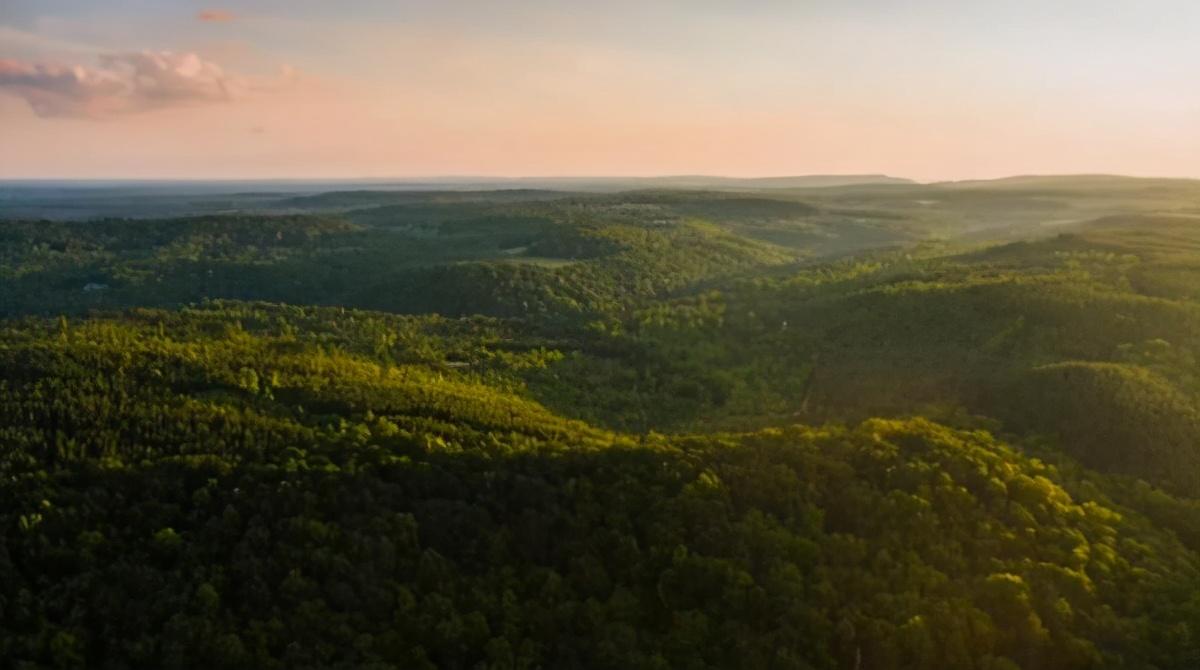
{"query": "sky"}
pixel 925 89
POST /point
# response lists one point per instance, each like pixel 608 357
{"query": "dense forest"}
pixel 883 425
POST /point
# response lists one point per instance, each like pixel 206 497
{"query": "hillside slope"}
pixel 937 335
pixel 235 487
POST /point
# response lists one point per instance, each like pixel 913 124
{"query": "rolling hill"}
pixel 875 425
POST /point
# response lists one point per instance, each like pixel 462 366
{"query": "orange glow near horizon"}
pixel 248 92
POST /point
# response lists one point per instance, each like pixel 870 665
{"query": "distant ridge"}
pixel 602 183
pixel 455 182
pixel 800 181
pixel 1069 181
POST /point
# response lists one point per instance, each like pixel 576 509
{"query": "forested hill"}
pixel 874 426
pixel 1087 336
pixel 236 487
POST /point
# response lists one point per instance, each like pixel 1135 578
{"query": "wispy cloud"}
pixel 25 42
pixel 214 15
pixel 121 83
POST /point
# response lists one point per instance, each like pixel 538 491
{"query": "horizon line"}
pixel 590 177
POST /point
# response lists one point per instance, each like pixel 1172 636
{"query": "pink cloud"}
pixel 214 15
pixel 122 83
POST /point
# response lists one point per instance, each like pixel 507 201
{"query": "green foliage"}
pixel 1119 418
pixel 346 511
pixel 193 477
pixel 954 337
